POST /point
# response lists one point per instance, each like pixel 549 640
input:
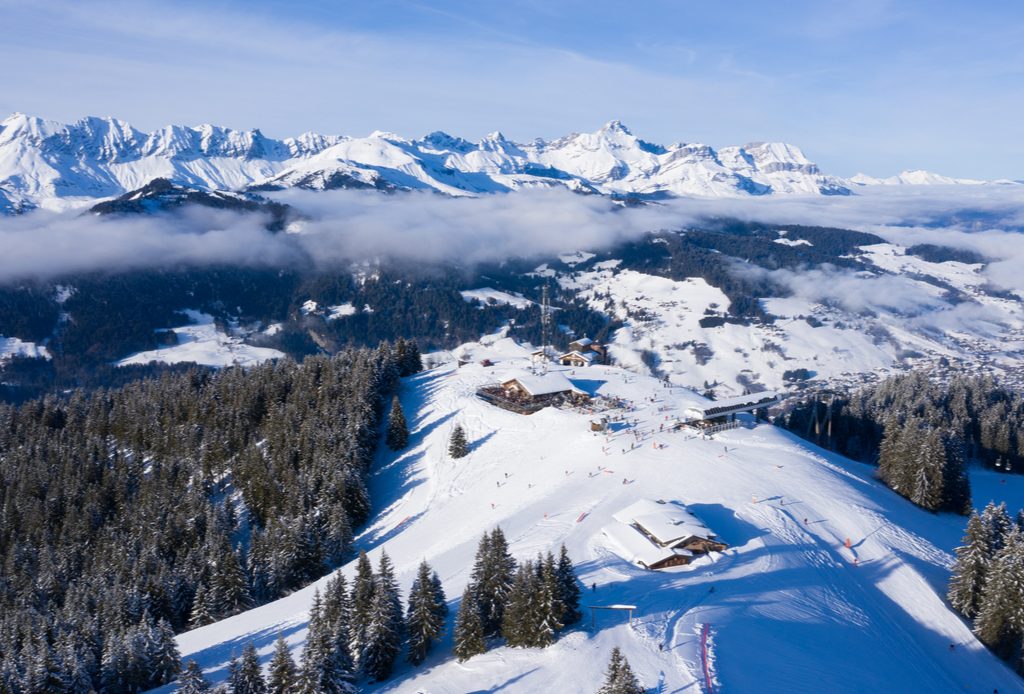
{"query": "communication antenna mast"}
pixel 545 324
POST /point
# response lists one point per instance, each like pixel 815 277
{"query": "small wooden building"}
pixel 576 359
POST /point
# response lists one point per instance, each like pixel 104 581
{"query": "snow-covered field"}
pixel 494 296
pixel 788 609
pixel 13 347
pixel 203 344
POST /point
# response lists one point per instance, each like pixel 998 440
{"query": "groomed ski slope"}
pixel 790 611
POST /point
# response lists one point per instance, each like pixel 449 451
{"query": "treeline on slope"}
pixel 359 631
pixel 987 582
pixel 173 502
pixel 921 433
pixel 88 322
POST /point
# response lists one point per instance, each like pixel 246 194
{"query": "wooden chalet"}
pixel 582 352
pixel 658 534
pixel 577 359
pixel 526 393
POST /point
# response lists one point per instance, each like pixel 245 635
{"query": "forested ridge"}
pixel 129 514
pixel 921 433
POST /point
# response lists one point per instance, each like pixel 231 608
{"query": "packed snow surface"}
pixel 788 607
pixel 205 345
pixel 486 295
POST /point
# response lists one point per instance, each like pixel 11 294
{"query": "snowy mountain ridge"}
pixel 47 163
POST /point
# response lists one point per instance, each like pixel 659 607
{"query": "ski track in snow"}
pixel 788 608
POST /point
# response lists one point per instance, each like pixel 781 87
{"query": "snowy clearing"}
pixel 203 344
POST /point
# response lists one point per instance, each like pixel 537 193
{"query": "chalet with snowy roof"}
pixel 577 359
pixel 526 392
pixel 659 534
pixel 717 410
pixel 582 352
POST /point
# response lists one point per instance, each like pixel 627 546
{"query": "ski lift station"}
pixel 717 410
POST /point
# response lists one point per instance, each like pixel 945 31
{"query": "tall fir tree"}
pixel 283 676
pixel 458 445
pixel 569 588
pixel 398 431
pixel 1000 621
pixel 165 661
pixel 619 678
pixel 493 573
pixel 521 615
pixel 424 620
pixel 325 668
pixel 191 680
pixel 246 677
pixel 363 587
pixel 201 614
pixel 385 631
pixel 469 628
pixel 971 567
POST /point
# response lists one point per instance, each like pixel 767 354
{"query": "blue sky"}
pixel 871 86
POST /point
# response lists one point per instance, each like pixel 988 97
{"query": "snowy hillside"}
pixel 50 164
pixel 788 606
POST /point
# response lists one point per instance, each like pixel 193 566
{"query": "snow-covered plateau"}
pixel 831 582
pixel 56 165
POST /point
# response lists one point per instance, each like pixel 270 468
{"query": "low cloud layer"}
pixel 343 226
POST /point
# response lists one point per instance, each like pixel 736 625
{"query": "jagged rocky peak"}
pixel 106 157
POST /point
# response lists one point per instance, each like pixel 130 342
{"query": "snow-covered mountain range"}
pixel 51 164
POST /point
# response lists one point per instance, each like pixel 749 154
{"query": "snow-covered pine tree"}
pixel 1000 621
pixel 521 616
pixel 45 674
pixel 493 572
pixel 114 665
pixel 928 464
pixel 337 614
pixel 398 431
pixel 469 628
pixel 201 614
pixel 246 677
pixel 888 451
pixel 76 670
pixel 325 668
pixel 569 588
pixel 619 678
pixel 458 445
pixel 282 677
pixel 549 598
pixel 363 587
pixel 970 568
pixel 424 621
pixel 165 660
pixel 997 518
pixel 440 599
pixel 956 483
pixel 386 628
pixel 229 587
pixel 191 680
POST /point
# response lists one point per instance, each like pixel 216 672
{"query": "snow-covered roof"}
pixel 668 523
pixel 583 342
pixel 542 384
pixel 585 356
pixel 631 545
pixel 739 403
